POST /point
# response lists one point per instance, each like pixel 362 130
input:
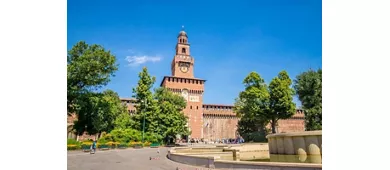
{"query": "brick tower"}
pixel 182 82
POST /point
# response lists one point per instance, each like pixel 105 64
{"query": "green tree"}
pixel 145 105
pixel 89 67
pixel 124 121
pixel 252 105
pixel 124 135
pixel 308 86
pixel 171 119
pixel 281 105
pixel 97 112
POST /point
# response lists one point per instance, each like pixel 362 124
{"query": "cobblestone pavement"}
pixel 126 159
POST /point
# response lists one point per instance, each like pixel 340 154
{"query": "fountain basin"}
pixel 304 145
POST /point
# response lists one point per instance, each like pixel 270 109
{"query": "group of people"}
pixel 196 140
pixel 237 140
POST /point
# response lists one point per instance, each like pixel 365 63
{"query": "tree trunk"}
pixel 97 136
pixel 273 125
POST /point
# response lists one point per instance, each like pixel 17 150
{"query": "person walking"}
pixel 93 146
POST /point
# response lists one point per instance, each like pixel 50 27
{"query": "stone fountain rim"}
pixel 292 134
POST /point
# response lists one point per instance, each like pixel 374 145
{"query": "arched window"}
pixel 183 50
pixel 180 40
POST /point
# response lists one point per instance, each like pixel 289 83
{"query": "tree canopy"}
pixel 171 119
pixel 308 86
pixel 260 104
pixel 252 104
pixel 97 112
pixel 281 99
pixel 162 110
pixel 89 67
pixel 144 103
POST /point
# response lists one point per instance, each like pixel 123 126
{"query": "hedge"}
pixel 86 145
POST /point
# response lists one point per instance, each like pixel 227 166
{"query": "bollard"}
pixel 236 155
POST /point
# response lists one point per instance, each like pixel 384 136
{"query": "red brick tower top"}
pixel 182 63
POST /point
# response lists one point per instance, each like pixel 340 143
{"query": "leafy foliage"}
pixel 145 105
pixel 89 68
pixel 123 135
pixel 170 118
pixel 153 137
pixel 97 112
pixel 124 121
pixel 252 105
pixel 260 104
pixel 281 99
pixel 103 112
pixel 255 136
pixel 72 144
pixel 308 86
pixel 128 135
pixel 162 110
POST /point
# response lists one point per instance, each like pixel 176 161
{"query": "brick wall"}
pixel 294 124
pixel 219 126
pixel 219 122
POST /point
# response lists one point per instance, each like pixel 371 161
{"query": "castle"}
pixel 205 121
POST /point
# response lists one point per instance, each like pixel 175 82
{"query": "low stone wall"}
pixel 251 147
pixel 301 143
pixel 198 150
pixel 245 165
pixel 209 161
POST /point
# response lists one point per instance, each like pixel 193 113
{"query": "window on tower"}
pixel 183 50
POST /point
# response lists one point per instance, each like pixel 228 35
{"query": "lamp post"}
pixel 143 126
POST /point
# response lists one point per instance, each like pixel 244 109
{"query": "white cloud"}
pixel 137 60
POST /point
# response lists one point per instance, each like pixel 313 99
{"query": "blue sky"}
pixel 229 39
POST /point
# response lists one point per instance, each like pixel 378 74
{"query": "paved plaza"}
pixel 126 159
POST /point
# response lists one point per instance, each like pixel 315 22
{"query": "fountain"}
pixel 305 147
pixel 284 151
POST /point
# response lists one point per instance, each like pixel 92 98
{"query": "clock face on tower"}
pixel 184 67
